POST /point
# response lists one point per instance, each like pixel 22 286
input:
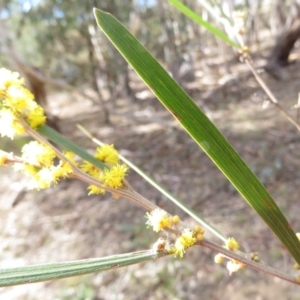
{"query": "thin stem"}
pixel 264 86
pixel 11 158
pixel 252 264
pixel 270 94
pixel 131 195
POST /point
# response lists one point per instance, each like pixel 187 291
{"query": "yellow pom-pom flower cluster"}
pixel 16 101
pixel 232 264
pixel 38 164
pixel 35 153
pixel 3 158
pixel 107 154
pixel 113 176
pixel 185 241
pixel 159 220
pixel 199 233
pixel 232 245
pixel 16 106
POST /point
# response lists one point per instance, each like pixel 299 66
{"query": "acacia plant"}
pixel 46 164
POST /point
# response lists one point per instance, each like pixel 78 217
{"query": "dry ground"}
pixel 63 223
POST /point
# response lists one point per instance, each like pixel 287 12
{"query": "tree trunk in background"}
pixel 95 68
pixel 35 84
pixel 38 89
pixel 278 58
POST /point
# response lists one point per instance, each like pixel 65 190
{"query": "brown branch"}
pixel 270 94
pixel 247 261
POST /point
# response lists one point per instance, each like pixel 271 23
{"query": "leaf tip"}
pixel 97 12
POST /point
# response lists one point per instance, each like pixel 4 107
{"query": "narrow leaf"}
pixel 208 26
pixel 201 129
pixel 43 272
pixel 66 144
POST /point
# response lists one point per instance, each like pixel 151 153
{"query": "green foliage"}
pixel 200 128
pixel 37 273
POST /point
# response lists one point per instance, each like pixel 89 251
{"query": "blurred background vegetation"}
pixel 77 74
pixel 60 40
